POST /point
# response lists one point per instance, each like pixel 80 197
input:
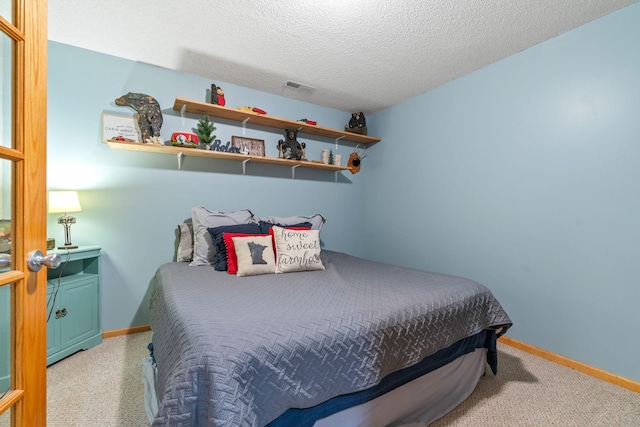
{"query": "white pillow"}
pixel 203 248
pixel 297 250
pixel 255 255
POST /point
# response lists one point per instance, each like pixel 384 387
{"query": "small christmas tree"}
pixel 205 130
pixel 330 157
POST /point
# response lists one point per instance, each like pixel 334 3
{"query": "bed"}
pixel 357 342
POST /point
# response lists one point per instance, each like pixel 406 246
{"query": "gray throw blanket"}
pixel 239 351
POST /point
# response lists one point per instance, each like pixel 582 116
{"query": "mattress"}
pixel 243 351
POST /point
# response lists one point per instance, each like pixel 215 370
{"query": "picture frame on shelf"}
pixel 117 127
pixel 250 146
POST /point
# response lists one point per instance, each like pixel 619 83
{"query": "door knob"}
pixel 37 259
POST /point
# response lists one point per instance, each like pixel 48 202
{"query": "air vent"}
pixel 296 85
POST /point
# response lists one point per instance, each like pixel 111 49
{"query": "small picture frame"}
pixel 120 128
pixel 250 146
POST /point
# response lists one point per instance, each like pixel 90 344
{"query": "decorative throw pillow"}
pixel 203 250
pixel 255 255
pixel 293 227
pixel 219 261
pixel 297 250
pixel 316 220
pixel 232 259
pixel 265 227
pixel 185 243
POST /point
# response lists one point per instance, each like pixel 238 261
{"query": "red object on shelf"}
pixel 185 137
pixel 309 122
pixel 259 111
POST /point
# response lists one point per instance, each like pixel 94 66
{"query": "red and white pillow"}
pixel 232 257
pixel 254 255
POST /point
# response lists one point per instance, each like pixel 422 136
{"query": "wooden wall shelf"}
pixel 213 110
pixel 196 107
pixel 182 152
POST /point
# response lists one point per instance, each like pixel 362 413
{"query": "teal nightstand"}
pixel 73 303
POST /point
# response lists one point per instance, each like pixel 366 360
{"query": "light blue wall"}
pixel 132 202
pixel 525 176
pixel 522 176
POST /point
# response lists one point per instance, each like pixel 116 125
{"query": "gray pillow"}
pixel 185 243
pixel 316 220
pixel 203 249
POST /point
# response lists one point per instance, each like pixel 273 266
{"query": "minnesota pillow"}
pixel 217 241
pixel 232 258
pixel 255 255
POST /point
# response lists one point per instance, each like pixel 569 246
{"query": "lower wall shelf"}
pixel 182 152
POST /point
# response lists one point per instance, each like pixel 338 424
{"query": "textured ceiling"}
pixel 359 55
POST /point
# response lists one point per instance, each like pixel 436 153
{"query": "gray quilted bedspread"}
pixel 239 351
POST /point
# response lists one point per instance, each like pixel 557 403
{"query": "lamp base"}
pixel 68 247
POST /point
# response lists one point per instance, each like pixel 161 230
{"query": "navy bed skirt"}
pixel 308 416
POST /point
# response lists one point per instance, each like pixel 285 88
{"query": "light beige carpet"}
pixel 103 387
pixel 531 391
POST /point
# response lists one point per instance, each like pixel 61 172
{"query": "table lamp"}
pixel 65 202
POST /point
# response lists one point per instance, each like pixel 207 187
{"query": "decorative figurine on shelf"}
pixel 228 148
pixel 205 131
pixel 357 124
pixel 307 121
pixel 249 109
pixel 184 139
pixel 217 95
pixel 149 113
pixel 355 160
pixel 155 140
pixel 220 96
pixel 290 148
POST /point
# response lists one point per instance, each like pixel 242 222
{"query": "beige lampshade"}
pixel 64 202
